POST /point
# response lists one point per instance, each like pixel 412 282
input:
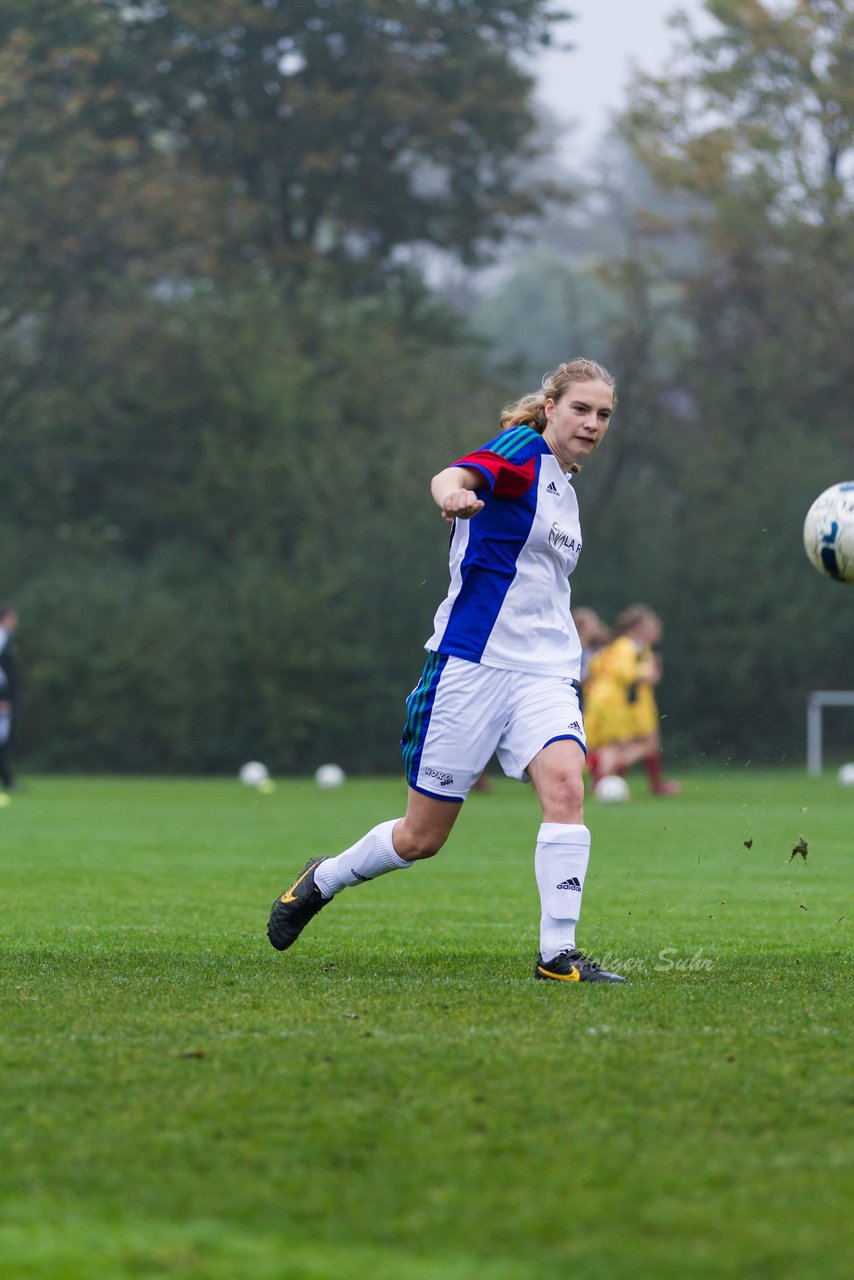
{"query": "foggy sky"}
pixel 586 85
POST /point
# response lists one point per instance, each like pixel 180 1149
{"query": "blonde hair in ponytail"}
pixel 530 410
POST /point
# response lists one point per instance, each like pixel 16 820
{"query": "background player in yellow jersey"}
pixel 620 711
pixel 593 633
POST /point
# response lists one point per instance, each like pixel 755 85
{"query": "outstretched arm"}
pixel 454 492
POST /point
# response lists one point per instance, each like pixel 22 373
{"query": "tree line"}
pixel 226 381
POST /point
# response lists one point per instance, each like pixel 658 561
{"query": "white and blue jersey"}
pixel 508 605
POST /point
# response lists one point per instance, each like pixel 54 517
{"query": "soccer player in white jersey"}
pixel 502 668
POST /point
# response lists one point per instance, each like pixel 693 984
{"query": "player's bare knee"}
pixel 420 850
pixel 413 845
pixel 564 796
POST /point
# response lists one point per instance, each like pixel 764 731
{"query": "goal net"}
pixel 816 704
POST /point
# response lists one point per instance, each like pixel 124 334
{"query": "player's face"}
pixel 650 631
pixel 577 422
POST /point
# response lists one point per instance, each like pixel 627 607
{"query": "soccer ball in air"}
pixel 846 775
pixel 612 789
pixel 829 532
pixel 254 774
pixel 329 776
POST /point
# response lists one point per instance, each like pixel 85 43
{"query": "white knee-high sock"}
pixel 563 851
pixel 368 858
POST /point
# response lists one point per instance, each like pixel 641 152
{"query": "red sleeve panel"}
pixel 505 479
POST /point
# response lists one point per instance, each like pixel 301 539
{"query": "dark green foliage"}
pixel 223 389
pixel 769 422
pixel 263 136
pixel 223 540
pixel 732 343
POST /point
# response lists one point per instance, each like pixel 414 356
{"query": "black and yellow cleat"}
pixel 572 966
pixel 293 909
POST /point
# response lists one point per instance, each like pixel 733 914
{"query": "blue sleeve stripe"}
pixel 488 475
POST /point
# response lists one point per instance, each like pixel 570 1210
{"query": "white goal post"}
pixel 815 709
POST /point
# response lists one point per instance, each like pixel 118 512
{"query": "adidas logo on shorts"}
pixel 572 883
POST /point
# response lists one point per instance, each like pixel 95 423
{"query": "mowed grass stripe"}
pixel 397 1092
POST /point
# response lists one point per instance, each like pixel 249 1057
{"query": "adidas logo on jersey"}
pixel 552 488
pixel 572 883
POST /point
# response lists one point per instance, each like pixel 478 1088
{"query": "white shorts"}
pixel 461 712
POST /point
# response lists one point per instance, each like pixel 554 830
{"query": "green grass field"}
pixel 396 1098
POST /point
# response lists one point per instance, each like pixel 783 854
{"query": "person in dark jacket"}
pixel 8 691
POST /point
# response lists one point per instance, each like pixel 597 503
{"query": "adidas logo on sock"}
pixel 572 883
pixel 552 487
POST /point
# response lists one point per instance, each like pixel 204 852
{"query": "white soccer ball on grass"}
pixel 829 532
pixel 330 776
pixel 846 774
pixel 612 789
pixel 254 774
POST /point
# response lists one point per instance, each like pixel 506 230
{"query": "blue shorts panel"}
pixel 419 709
